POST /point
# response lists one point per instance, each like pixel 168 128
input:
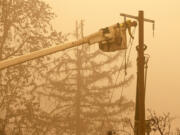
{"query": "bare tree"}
pixel 159 123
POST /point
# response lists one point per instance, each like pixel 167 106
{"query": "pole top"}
pixel 136 17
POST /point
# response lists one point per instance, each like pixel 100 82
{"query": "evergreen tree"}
pixel 80 87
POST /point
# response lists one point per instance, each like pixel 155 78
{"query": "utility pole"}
pixel 139 127
pixel 140 101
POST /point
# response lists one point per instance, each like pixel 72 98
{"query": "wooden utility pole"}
pixel 139 127
pixel 140 101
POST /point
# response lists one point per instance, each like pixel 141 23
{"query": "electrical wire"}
pixel 130 43
pixel 147 56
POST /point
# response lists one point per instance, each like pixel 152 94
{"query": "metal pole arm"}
pixel 135 17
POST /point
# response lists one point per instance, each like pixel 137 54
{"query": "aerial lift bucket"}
pixel 119 40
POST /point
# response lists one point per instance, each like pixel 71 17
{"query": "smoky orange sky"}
pixel 163 82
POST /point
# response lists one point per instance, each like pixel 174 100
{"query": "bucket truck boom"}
pixel 110 39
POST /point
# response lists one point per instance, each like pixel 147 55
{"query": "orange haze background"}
pixel 163 82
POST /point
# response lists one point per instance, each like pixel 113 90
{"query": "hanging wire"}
pixel 153 27
pixel 124 61
pixel 131 46
pixel 147 56
pixel 130 43
pixel 125 72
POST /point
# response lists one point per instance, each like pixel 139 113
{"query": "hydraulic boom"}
pixel 110 39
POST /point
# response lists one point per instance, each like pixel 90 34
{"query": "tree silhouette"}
pixel 160 123
pixel 24 27
pixel 79 87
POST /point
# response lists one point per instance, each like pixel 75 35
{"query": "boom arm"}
pixel 109 34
